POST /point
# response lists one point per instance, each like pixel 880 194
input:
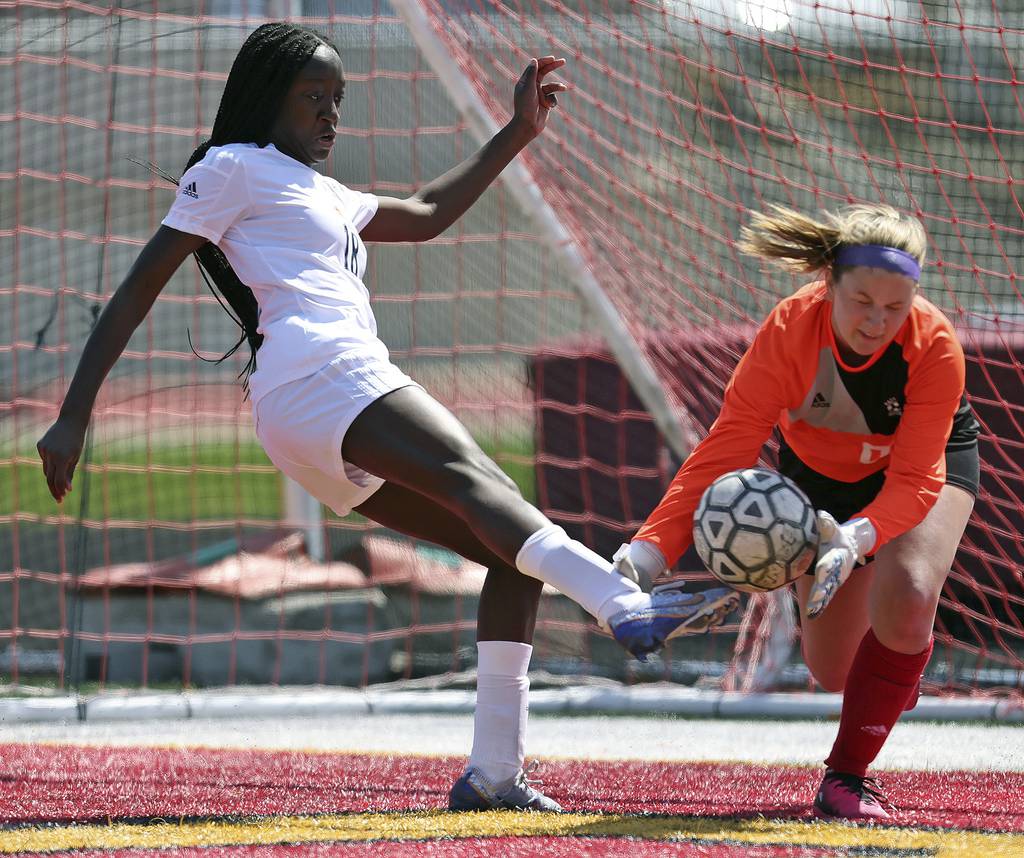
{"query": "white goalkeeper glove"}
pixel 840 548
pixel 640 561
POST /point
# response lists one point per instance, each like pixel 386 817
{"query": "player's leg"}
pixel 886 670
pixel 830 641
pixel 508 603
pixel 830 644
pixel 300 425
pixel 912 572
pixel 505 624
pixel 408 438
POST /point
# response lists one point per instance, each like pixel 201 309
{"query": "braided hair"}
pixel 259 79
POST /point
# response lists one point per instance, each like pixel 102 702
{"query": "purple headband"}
pixel 880 256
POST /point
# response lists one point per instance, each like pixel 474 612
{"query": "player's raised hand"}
pixel 535 99
pixel 840 548
pixel 60 449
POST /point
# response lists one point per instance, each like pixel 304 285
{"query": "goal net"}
pixel 181 558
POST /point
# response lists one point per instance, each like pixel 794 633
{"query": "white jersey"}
pixel 292 236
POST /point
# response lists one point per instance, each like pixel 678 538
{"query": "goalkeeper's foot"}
pixel 671 613
pixel 473 791
pixel 845 796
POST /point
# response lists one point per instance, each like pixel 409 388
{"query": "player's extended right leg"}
pixel 672 612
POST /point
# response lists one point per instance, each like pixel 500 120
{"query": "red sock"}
pixel 878 688
pixel 915 695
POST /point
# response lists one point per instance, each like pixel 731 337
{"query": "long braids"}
pixel 256 86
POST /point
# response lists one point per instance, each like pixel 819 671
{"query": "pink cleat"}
pixel 846 796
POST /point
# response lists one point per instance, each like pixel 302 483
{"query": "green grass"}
pixel 191 482
pixel 36 686
pixel 172 483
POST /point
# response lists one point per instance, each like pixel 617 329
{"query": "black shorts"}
pixel 845 500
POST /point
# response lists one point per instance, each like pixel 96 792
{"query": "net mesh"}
pixel 175 560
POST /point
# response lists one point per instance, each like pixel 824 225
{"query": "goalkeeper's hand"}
pixel 840 548
pixel 640 561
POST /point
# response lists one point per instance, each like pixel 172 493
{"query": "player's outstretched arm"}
pixel 437 205
pixel 61 446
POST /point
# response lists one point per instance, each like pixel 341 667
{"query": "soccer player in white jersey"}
pixel 284 246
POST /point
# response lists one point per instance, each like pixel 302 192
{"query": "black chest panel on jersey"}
pixel 880 391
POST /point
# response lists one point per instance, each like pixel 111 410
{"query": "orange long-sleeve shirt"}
pixel 893 412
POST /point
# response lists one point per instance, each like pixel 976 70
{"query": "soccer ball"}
pixel 755 530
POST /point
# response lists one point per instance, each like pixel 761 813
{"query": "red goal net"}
pixel 180 558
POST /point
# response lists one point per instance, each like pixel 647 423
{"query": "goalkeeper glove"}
pixel 840 547
pixel 640 561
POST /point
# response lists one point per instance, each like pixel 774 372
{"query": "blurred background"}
pixel 182 559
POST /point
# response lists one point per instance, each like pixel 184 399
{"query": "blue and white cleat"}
pixel 474 792
pixel 671 613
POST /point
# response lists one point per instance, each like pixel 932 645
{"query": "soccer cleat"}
pixel 671 613
pixel 473 791
pixel 845 796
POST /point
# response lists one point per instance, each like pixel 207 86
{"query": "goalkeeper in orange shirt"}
pixel 864 379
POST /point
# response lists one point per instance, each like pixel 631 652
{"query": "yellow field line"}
pixel 433 824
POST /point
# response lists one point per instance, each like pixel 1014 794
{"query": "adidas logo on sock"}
pixel 190 191
pixel 875 729
pixel 820 401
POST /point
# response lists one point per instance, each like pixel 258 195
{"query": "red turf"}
pixel 69 783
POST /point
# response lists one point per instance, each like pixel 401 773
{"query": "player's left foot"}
pixel 473 791
pixel 671 613
pixel 845 796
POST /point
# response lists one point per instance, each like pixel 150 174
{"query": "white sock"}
pixel 581 574
pixel 502 701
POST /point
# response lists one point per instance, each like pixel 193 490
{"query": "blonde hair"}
pixel 805 245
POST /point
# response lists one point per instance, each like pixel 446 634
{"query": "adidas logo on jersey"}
pixel 190 191
pixel 892 405
pixel 820 401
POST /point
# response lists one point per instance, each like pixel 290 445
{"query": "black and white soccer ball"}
pixel 755 530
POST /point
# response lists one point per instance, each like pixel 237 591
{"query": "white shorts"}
pixel 301 425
